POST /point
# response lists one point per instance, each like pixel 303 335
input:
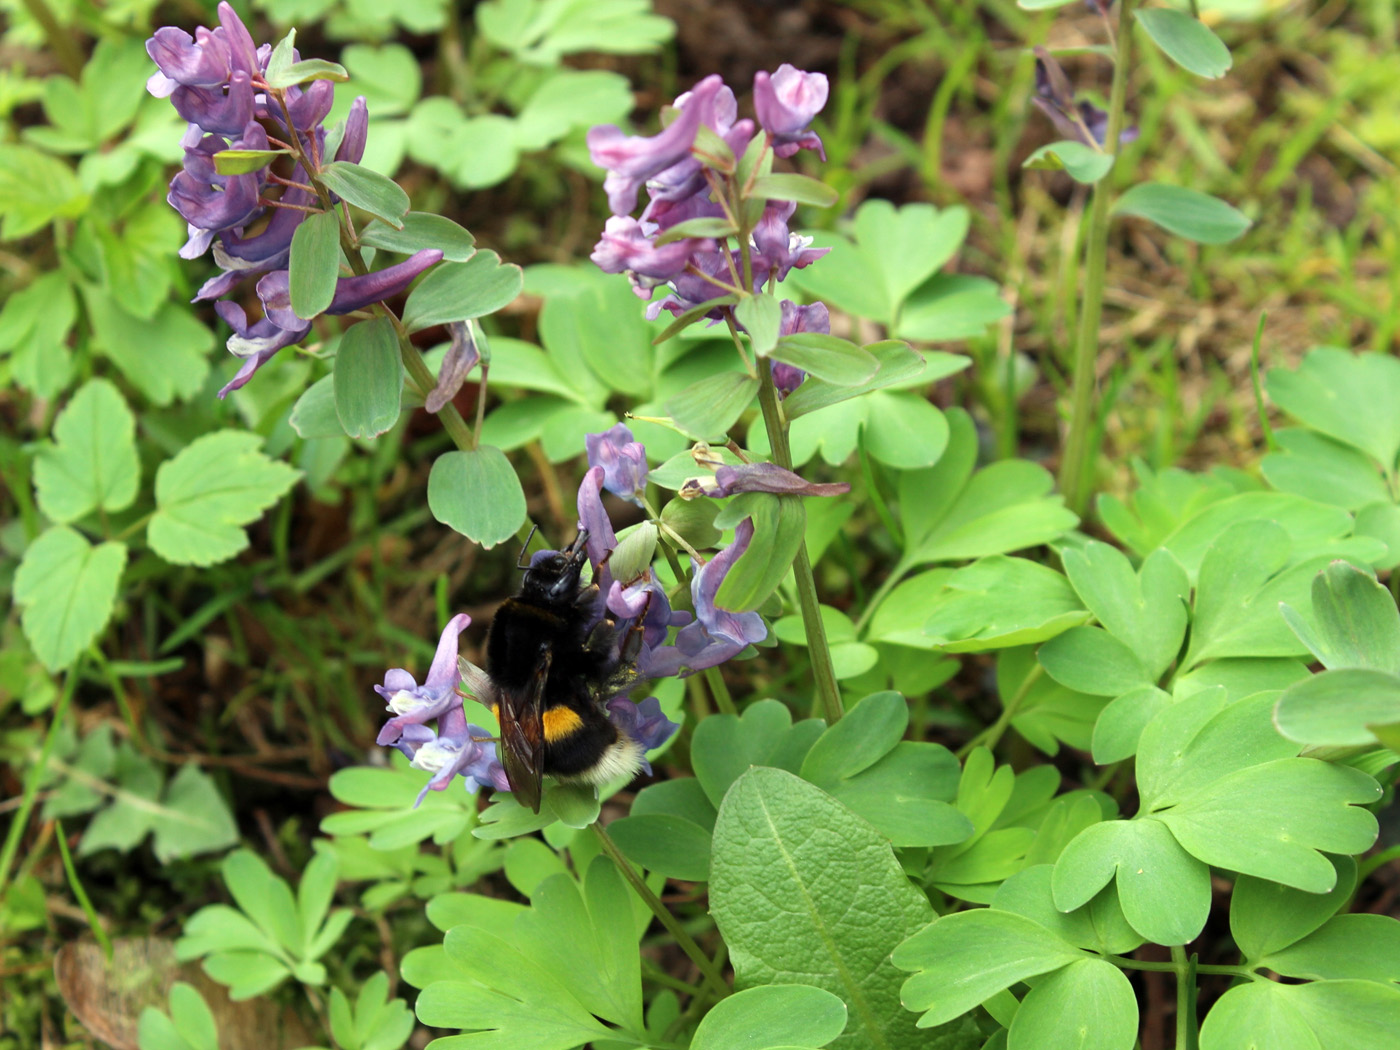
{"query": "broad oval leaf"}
pixel 477 493
pixel 422 230
pixel 772 1016
pixel 1186 40
pixel 462 291
pixel 1185 212
pixel 707 409
pixel 1082 163
pixel 837 361
pixel 315 263
pixel 368 378
pixel 368 190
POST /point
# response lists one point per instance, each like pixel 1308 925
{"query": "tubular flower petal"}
pixel 643 722
pixel 355 293
pixel 760 477
pixel 623 459
pixel 785 103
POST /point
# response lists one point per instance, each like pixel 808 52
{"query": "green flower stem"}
pixel 1187 1031
pixel 685 940
pixel 36 774
pixel 723 699
pixel 1074 464
pixel 817 647
pixel 991 736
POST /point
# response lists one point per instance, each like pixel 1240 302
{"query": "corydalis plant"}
pixel 257 178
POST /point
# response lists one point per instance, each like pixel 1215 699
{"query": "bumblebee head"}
pixel 553 576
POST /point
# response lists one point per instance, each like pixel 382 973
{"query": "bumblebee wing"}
pixel 522 735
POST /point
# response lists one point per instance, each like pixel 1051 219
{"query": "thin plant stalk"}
pixel 1074 465
pixel 687 943
pixel 818 650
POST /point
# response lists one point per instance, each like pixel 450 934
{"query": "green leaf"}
pixel 961 960
pixel 1348 397
pixel 708 408
pixel 506 991
pixel 478 494
pixel 1164 891
pixel 1098 926
pixel 368 378
pixel 1317 467
pixel 761 317
pixel 569 99
pixel 792 187
pixel 206 494
pixel 674 846
pixel 1245 574
pixel 1357 621
pixel 1362 947
pixel 1082 163
pixel 245 161
pixel 724 746
pixel 903 788
pixel 1185 212
pixel 92 462
pixel 772 1016
pixel 35 189
pixel 367 190
pixel 1090 660
pixel 995 603
pixel 422 230
pixel 1087 1005
pixel 1265 916
pixel 1272 819
pixel 837 361
pixel 163 356
pixel 800 922
pixel 705 227
pixel 195 817
pixel 779 525
pixel 462 291
pixel 1186 40
pixel 309 69
pixel 1327 1015
pixel 68 589
pixel 315 263
pixel 1146 611
pixel 34 326
pixel 950 307
pixel 1337 708
pixel 314 414
pixel 899 364
pixel 950 514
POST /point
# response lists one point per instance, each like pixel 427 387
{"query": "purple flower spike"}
pixel 642 722
pixel 623 459
pixel 413 704
pixel 354 293
pixel 213 110
pixel 785 103
pixel 206 199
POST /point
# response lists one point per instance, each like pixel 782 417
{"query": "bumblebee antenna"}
pixel 533 530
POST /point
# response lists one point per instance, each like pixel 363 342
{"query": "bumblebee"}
pixel 552 670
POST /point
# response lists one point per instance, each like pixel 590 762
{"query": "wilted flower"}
pixel 1079 120
pixel 760 477
pixel 461 357
pixel 623 459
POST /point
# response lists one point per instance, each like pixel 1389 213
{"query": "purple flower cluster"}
pixel 681 186
pixel 457 746
pixel 216 80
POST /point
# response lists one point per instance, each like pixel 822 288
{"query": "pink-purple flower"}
pixel 785 103
pixel 623 459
